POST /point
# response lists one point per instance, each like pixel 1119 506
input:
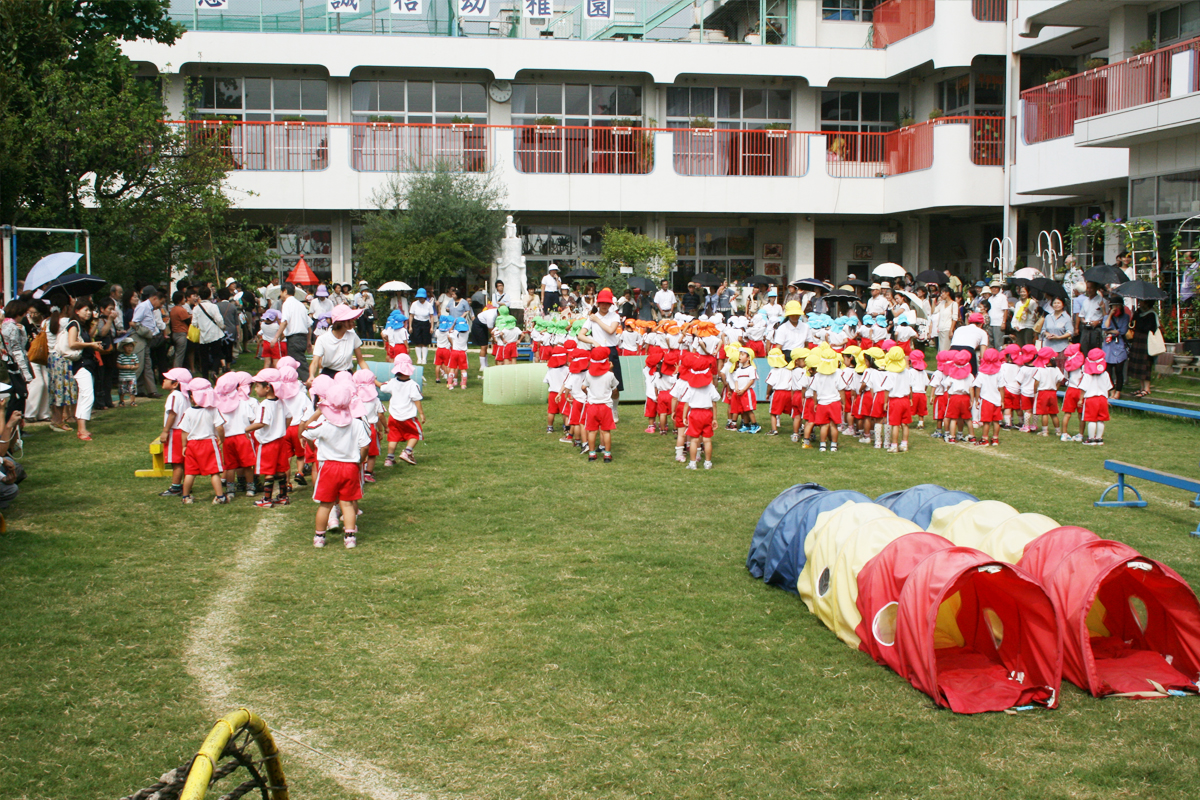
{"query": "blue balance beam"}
pixel 1124 470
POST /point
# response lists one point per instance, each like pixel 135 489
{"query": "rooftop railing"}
pixel 1052 109
pixel 571 150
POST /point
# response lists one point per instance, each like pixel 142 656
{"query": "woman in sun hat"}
pixel 339 348
pixel 1095 385
pixel 420 325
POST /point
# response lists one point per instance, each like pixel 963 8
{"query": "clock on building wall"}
pixel 500 91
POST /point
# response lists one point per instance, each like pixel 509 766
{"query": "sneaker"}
pixel 263 502
pixel 995 442
pixel 251 492
pixel 390 461
pixel 822 447
pixel 649 429
pixel 566 440
pixel 300 479
pixel 172 492
pixel 1023 429
pixel 773 433
pixel 864 439
pixel 743 429
pixel 754 429
pixel 1066 437
pixel 1077 437
pixel 368 477
pixel 450 387
pixel 1098 442
pixel 708 465
pixel 680 458
pixel 936 435
pixel 1043 433
pixel 319 540
pixel 833 447
pixel 920 424
pixel 283 501
pixel 187 499
pixel 691 465
pixel 351 541
pixel 795 437
pixel 893 448
pixel 1089 442
pixel 407 458
pixel 549 429
pixel 228 497
pixel 807 445
pixel 608 458
pixel 731 426
pixel 591 457
pixel 904 447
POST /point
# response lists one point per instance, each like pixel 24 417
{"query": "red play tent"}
pixel 302 274
pixel 978 635
pixel 1130 625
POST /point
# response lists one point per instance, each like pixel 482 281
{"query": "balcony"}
pixel 899 19
pixel 1052 110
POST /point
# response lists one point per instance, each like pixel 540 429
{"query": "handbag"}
pixel 39 349
pixel 193 334
pixel 61 347
pixel 1155 346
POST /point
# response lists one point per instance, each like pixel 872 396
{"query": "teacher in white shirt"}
pixel 293 328
pixel 664 301
pixel 339 348
pixel 551 289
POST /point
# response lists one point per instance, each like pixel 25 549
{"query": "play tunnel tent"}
pixel 785 554
pixel 821 546
pixel 918 503
pixel 1007 541
pixel 1131 626
pixel 977 635
pixel 765 529
pixel 967 524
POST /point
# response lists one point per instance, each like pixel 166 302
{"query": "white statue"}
pixel 510 265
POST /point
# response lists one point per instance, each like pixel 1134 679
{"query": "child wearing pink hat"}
pixel 269 430
pixel 1010 379
pixel 940 399
pixel 298 406
pixel 203 441
pixel 1095 385
pixel 599 385
pixel 988 385
pixel 1027 374
pixel 175 381
pixel 958 389
pixel 341 442
pixel 1073 398
pixel 237 411
pixel 918 383
pixel 1048 377
pixel 405 414
pixel 368 396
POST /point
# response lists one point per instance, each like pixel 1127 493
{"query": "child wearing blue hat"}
pixel 458 351
pixel 441 356
pixel 395 334
pixel 422 316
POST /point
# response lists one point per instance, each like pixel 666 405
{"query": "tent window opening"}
pixel 995 627
pixel 1140 615
pixel 883 627
pixel 823 583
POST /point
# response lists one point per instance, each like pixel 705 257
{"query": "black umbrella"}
pixel 73 285
pixel 811 283
pixel 843 296
pixel 581 275
pixel 761 280
pixel 639 282
pixel 1105 274
pixel 931 276
pixel 1049 287
pixel 859 282
pixel 1141 290
pixel 707 279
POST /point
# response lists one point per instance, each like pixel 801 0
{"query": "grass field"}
pixel 517 622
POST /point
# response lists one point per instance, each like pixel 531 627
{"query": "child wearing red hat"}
pixel 699 396
pixel 341 442
pixel 989 386
pixel 600 384
pixel 574 396
pixel 662 386
pixel 1027 374
pixel 203 441
pixel 1095 385
pixel 958 389
pixel 556 375
pixel 650 378
pixel 1048 377
pixel 1073 398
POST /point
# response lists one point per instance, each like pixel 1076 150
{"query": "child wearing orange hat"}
pixel 989 387
pixel 556 375
pixel 958 389
pixel 600 385
pixel 573 394
pixel 1072 403
pixel 1095 385
pixel 1047 377
pixel 699 397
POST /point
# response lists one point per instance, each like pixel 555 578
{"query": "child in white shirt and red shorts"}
pixel 827 396
pixel 237 411
pixel 269 429
pixel 202 441
pixel 699 395
pixel 1073 398
pixel 989 384
pixel 175 381
pixel 899 403
pixel 572 395
pixel 1047 377
pixel 958 389
pixel 368 396
pixel 405 414
pixel 341 442
pixel 1095 385
pixel 599 385
pixel 556 376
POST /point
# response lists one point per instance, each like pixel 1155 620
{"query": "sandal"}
pixel 84 437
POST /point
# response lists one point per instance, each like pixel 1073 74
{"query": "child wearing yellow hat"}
pixel 874 406
pixel 800 381
pixel 779 387
pixel 848 380
pixel 899 403
pixel 826 390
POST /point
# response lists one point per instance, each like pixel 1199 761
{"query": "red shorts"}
pixel 599 417
pixel 510 352
pixel 272 350
pixel 651 408
pixel 457 359
pixel 700 423
pixel 1026 403
pixel 760 350
pixel 201 458
pixel 899 411
pixel 680 412
pixel 810 408
pixel 797 404
pixel 1073 401
pixel 576 412
pixel 173 449
pixel 441 357
pixel 856 404
pixel 989 412
pixel 338 481
pixel 940 402
pixel 1047 402
pixel 622 352
pixel 554 407
pixel 781 403
pixel 293 439
pixel 920 404
pixel 239 452
pixel 273 457
pixel 958 406
pixel 906 347
pixel 497 352
pixel 664 401
pixel 394 350
pixel 865 343
pixel 373 447
pixel 1012 402
pixel 878 406
pixel 743 403
pixel 401 430
pixel 1095 409
pixel 828 413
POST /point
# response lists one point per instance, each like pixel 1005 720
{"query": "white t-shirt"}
pixel 968 336
pixel 1048 378
pixel 780 379
pixel 555 378
pixel 825 389
pixel 702 397
pixel 236 421
pixel 405 396
pixel 989 387
pixel 319 306
pixel 488 317
pixel 268 330
pixel 664 299
pixel 551 283
pixel 773 312
pixel 336 354
pixel 272 414
pixel 999 304
pixel 294 318
pixel 604 337
pixel 744 378
pixel 421 310
pixel 599 389
pixel 299 407
pixel 788 336
pixel 458 340
pixel 877 305
pixel 338 443
pixel 178 402
pixel 1027 374
pixel 442 340
pixel 1096 385
pixel 200 423
pixel 573 386
pixel 392 336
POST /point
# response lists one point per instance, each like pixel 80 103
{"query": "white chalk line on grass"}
pixel 208 658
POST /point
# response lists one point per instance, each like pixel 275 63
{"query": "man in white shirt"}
pixel 997 315
pixel 1088 318
pixel 501 297
pixel 551 289
pixel 293 328
pixel 664 301
pixel 878 304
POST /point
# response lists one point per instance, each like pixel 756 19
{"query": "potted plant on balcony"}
pixel 542 145
pixel 1056 75
pixel 1143 47
pixel 695 148
pixel 217 132
pixel 625 148
pixel 937 113
pixel 906 118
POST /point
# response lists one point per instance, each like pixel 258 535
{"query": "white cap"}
pixel 230 280
pixel 553 266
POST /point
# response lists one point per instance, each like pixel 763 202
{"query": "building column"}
pixel 342 265
pixel 801 251
pixel 915 244
pixel 1127 25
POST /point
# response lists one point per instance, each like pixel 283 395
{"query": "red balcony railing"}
pixel 989 10
pixel 388 147
pixel 279 146
pixel 878 155
pixel 896 19
pixel 719 151
pixel 556 149
pixel 1052 109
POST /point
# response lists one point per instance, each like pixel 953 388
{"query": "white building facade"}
pixel 779 137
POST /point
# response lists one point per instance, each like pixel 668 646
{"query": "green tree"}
pixel 649 257
pixel 432 224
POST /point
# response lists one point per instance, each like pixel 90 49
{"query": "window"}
pixel 975 94
pixel 727 252
pixel 581 105
pixel 418 102
pixel 728 107
pixel 859 111
pixel 848 10
pixel 1178 22
pixel 565 245
pixel 261 99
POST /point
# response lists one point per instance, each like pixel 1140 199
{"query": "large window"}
pixel 1178 22
pixel 418 102
pixel 1176 195
pixel 848 10
pixel 867 112
pixel 975 94
pixel 261 99
pixel 727 252
pixel 728 107
pixel 580 105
